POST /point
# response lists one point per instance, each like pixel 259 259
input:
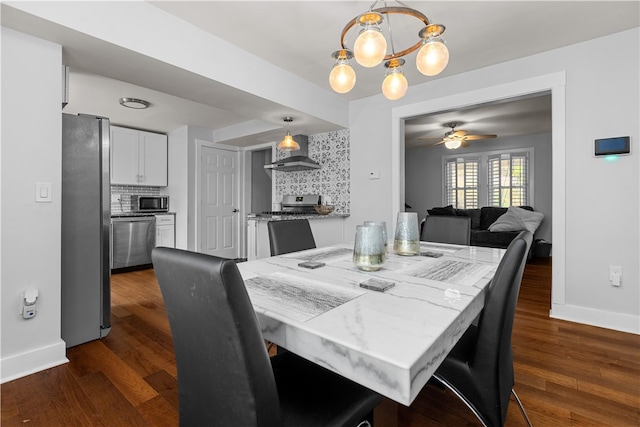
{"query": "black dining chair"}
pixel 225 376
pixel 447 229
pixel 290 236
pixel 479 369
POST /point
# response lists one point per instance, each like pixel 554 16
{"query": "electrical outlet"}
pixel 615 275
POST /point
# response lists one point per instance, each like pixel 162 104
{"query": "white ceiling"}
pixel 299 36
pixel 508 118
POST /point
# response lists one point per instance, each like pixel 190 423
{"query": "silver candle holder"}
pixel 407 237
pixel 368 250
pixel 382 224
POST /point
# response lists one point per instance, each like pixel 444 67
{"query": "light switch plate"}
pixel 43 192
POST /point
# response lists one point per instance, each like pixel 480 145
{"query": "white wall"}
pixel 182 181
pixel 602 199
pixel 31 152
pixel 178 188
pixel 424 176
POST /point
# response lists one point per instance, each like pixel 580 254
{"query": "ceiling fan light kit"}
pixel 453 143
pixel 370 49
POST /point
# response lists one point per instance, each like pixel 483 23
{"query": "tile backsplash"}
pixel 332 181
pixel 125 192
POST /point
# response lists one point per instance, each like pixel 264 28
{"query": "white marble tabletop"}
pixel 391 341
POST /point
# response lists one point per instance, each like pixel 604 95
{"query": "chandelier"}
pixel 370 49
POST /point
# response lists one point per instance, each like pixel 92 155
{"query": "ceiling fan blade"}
pixel 433 144
pixel 477 137
pixel 459 133
pixel 464 144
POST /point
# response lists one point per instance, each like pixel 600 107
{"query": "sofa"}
pixel 495 227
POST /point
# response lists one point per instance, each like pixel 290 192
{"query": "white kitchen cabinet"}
pixel 138 157
pixel 166 231
pixel 326 231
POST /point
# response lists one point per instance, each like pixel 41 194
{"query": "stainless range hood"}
pixel 299 162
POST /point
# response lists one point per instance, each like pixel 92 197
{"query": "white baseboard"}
pixel 23 364
pixel 594 317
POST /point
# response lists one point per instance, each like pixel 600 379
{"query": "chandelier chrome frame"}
pixel 342 78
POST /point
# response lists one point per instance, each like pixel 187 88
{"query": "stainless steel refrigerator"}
pixel 86 218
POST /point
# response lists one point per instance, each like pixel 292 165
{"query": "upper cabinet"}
pixel 138 157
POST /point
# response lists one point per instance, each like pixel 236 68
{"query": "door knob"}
pixel 236 210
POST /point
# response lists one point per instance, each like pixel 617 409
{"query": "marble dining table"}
pixel 391 341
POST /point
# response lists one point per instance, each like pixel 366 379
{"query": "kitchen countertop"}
pixel 137 214
pixel 264 217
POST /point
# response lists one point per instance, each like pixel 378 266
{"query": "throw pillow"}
pixel 530 219
pixel 446 210
pixel 516 219
pixel 510 221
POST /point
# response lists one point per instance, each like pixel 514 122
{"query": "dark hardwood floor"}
pixel 567 374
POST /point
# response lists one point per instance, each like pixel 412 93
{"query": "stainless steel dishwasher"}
pixel 132 239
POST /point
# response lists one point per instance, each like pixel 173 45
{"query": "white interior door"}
pixel 218 215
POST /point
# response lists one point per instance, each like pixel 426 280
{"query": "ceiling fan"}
pixel 456 138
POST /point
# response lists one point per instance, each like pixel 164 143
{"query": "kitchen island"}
pixel 327 230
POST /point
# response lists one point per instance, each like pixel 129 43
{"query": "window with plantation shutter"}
pixel 508 179
pixel 492 178
pixel 461 182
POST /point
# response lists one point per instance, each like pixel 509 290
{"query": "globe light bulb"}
pixel 370 47
pixel 395 84
pixel 342 77
pixel 432 57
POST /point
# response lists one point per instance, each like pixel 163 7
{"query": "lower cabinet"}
pixel 166 231
pixel 326 231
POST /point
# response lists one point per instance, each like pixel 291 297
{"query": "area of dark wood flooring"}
pixel 567 374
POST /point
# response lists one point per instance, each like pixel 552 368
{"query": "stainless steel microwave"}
pixel 140 203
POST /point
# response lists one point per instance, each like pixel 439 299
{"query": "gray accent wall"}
pixel 424 175
pixel 260 181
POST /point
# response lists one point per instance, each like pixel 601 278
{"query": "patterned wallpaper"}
pixel 331 150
